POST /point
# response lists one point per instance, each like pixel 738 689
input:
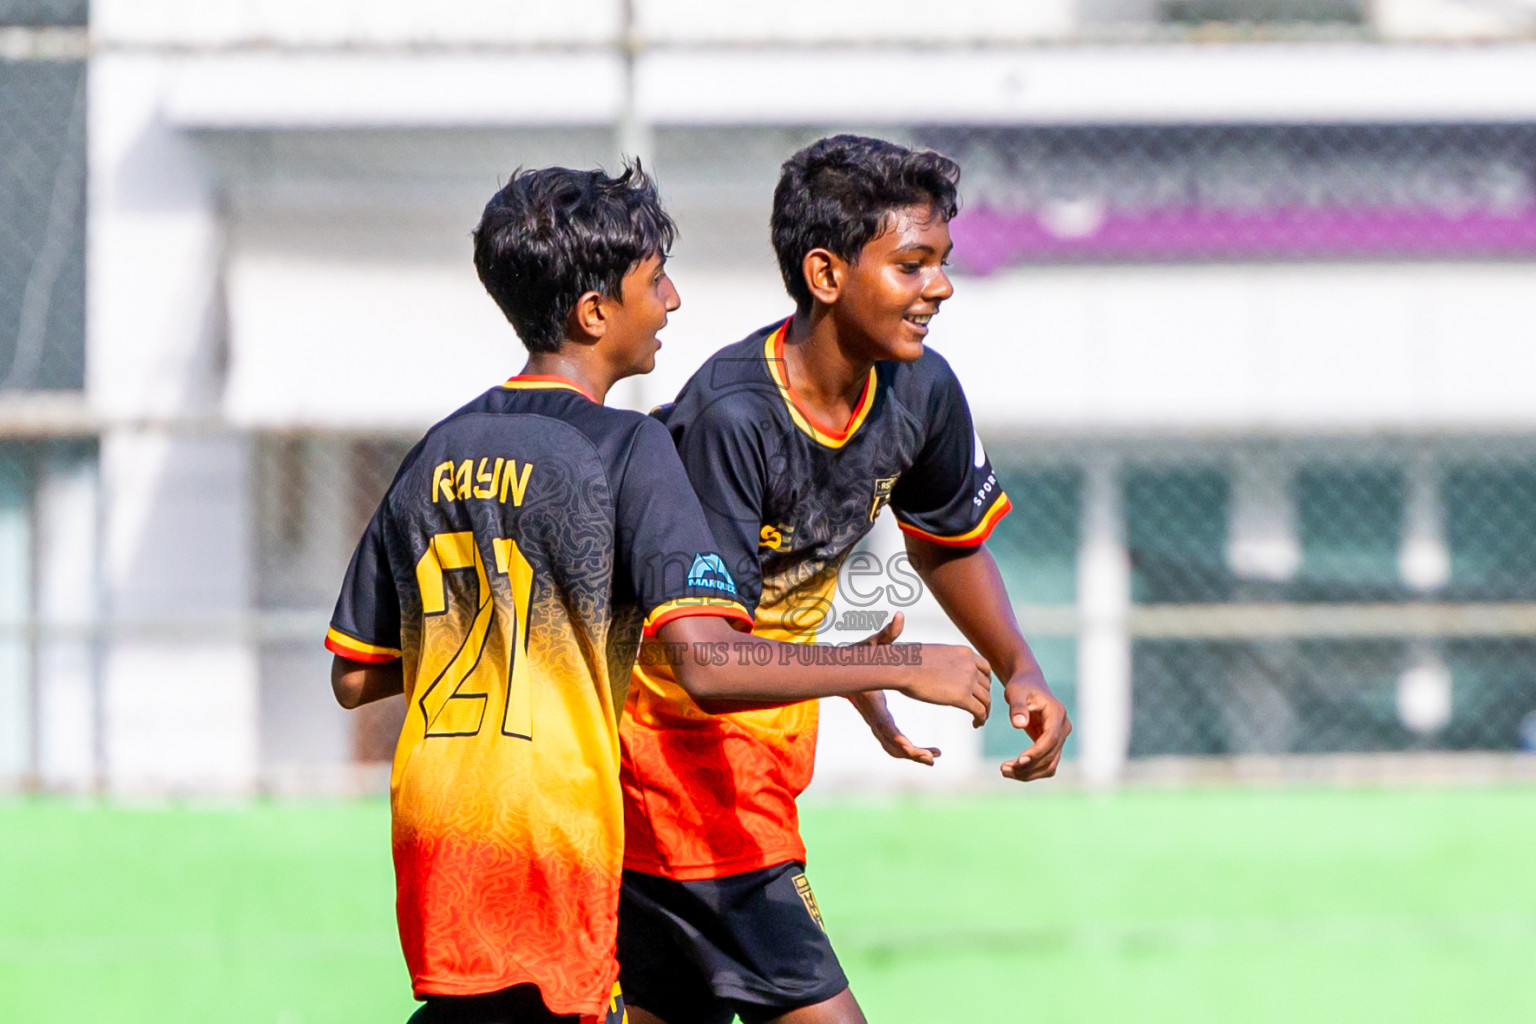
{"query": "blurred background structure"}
pixel 1245 306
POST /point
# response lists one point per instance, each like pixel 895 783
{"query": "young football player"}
pixel 503 585
pixel 795 439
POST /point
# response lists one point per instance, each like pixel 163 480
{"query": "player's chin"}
pixel 905 347
pixel 647 362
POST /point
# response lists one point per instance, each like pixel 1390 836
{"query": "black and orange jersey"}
pixel 787 499
pixel 524 546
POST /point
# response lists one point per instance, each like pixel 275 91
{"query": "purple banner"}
pixel 1152 193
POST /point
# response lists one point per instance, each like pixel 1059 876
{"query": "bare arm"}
pixel 356 683
pixel 776 675
pixel 970 590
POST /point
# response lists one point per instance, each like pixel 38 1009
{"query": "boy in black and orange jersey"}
pixel 795 439
pixel 526 544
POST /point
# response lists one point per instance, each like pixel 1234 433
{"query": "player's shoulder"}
pixel 928 383
pixel 561 403
pixel 731 390
pixel 737 370
pixel 929 372
pixel 559 418
pixel 926 389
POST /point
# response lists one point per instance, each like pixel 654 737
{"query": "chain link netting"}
pixel 1367 635
pixel 42 225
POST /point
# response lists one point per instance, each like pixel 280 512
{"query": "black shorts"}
pixel 520 1004
pixel 750 944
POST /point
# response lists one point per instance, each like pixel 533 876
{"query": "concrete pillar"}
pixel 1424 690
pixel 1263 543
pixel 179 666
pixel 1424 559
pixel 633 138
pixel 16 695
pixel 1263 547
pixel 1104 640
pixel 305 737
pixel 68 610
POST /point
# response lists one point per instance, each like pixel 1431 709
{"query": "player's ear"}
pixel 588 319
pixel 823 275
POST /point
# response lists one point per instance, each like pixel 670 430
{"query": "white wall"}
pixel 1239 348
pixel 1290 348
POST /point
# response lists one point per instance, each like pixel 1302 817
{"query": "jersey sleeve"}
pixel 723 455
pixel 665 542
pixel 366 623
pixel 950 495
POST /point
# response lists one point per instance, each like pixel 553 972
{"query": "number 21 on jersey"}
pixel 482 662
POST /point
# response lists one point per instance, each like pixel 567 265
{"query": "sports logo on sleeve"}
pixel 709 571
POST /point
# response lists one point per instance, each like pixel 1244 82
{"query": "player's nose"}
pixel 669 294
pixel 939 287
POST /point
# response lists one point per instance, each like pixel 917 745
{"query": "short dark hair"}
pixel 553 234
pixel 838 193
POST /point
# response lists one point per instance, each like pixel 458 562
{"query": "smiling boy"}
pixel 795 439
pixel 526 544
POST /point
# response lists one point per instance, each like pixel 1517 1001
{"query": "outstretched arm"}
pixel 758 672
pixel 970 590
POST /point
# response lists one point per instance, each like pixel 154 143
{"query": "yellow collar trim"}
pixel 533 381
pixel 773 354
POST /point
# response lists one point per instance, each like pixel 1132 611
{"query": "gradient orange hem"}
pixel 970 538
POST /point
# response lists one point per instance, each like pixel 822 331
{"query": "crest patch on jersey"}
pixel 709 571
pixel 882 497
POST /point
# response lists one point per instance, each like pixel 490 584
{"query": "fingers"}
pixel 888 633
pixel 1037 752
pixel 896 744
pixel 979 705
pixel 1021 769
pixel 1042 758
pixel 981 688
pixel 981 692
pixel 1043 719
pixel 901 747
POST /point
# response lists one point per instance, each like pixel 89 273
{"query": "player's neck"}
pixel 823 374
pixel 590 374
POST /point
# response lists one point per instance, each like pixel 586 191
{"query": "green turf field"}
pixel 1210 905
